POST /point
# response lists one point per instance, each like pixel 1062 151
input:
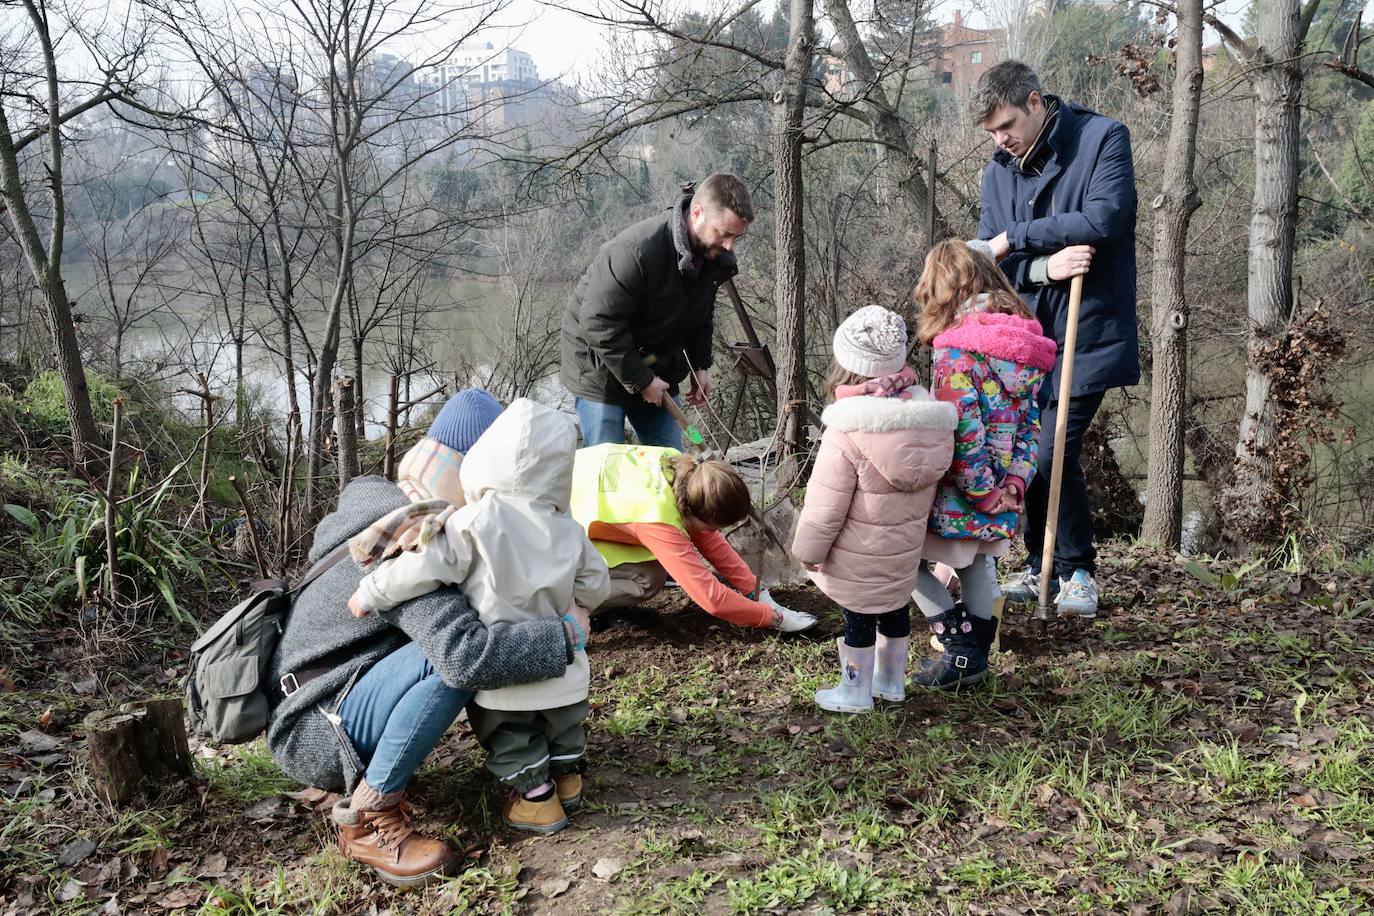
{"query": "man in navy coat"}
pixel 1058 201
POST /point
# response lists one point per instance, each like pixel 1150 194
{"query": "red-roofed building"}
pixel 965 54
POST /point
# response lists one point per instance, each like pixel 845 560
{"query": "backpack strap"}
pixel 320 568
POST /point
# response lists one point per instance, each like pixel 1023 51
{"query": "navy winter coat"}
pixel 1085 195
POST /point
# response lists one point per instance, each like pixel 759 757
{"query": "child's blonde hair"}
pixel 709 491
pixel 953 274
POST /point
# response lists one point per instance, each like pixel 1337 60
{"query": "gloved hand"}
pixel 786 620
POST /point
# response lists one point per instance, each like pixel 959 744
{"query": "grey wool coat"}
pixel 465 653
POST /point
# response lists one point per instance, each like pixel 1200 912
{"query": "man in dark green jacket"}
pixel 641 317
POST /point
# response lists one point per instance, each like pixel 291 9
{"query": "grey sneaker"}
pixel 1078 596
pixel 1024 587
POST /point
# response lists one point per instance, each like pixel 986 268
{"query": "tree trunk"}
pixel 207 403
pixel 392 410
pixel 347 446
pixel 320 400
pixel 359 415
pixel 137 747
pixel 58 311
pixel 241 419
pixel 789 107
pixel 1277 81
pixel 1174 207
pixel 46 263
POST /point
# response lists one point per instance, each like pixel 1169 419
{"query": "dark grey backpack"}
pixel 228 687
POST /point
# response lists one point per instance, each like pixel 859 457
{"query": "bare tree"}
pixel 128 253
pixel 893 134
pixel 1255 499
pixel 51 100
pixel 789 110
pixel 1174 207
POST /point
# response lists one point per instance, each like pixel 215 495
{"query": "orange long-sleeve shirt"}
pixel 683 558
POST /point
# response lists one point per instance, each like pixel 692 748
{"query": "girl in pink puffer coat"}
pixel 886 445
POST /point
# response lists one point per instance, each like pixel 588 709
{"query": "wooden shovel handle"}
pixel 1061 431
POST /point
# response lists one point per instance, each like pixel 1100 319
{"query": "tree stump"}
pixel 136 748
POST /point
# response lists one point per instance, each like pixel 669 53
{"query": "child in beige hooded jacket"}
pixel 517 555
pixel 886 445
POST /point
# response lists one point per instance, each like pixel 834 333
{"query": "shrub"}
pixel 65 545
pixel 44 402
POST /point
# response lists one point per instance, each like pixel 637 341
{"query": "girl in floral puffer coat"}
pixel 990 360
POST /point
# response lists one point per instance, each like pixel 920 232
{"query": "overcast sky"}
pixel 562 42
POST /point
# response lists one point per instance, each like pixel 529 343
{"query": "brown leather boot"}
pixel 569 790
pixel 386 842
pixel 543 816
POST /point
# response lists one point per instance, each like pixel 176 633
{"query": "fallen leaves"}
pixel 75 852
pixel 32 743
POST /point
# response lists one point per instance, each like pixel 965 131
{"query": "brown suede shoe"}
pixel 386 842
pixel 569 790
pixel 544 816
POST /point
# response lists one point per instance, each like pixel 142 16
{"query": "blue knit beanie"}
pixel 465 417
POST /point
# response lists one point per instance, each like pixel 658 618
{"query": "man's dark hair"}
pixel 728 191
pixel 1009 83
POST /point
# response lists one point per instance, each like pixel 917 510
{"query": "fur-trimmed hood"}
pixel 899 437
pixel 916 410
pixel 1003 336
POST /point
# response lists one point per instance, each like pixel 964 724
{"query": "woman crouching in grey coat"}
pixel 364 700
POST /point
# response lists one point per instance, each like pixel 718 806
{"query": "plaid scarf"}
pixel 887 386
pixel 428 476
pixel 430 471
pixel 407 528
pixel 973 304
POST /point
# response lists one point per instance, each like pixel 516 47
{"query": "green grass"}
pixel 1198 746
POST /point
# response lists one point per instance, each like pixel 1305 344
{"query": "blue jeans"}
pixel 395 715
pixel 602 423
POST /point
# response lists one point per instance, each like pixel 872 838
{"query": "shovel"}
pixel 1044 612
pixel 694 436
pixel 698 443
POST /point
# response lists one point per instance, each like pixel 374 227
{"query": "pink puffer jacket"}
pixel 868 501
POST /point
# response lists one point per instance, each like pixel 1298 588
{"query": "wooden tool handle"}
pixel 1061 431
pixel 675 410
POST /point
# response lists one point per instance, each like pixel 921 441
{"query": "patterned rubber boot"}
pixel 964 659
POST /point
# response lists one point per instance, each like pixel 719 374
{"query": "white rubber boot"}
pixel 854 692
pixel 999 607
pixel 889 668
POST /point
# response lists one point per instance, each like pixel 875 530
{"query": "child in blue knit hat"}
pixel 430 469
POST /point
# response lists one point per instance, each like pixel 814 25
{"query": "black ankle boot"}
pixel 965 658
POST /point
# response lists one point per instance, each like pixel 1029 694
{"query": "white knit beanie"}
pixel 871 342
pixel 981 247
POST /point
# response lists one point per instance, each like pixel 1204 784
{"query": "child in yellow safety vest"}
pixel 654 512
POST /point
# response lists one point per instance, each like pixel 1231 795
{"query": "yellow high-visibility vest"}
pixel 620 485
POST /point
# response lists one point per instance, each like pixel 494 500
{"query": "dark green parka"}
pixel 643 294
